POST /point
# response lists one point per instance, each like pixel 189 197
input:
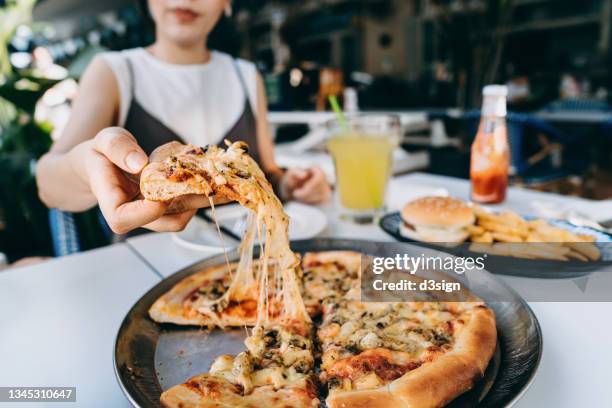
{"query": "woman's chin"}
pixel 186 37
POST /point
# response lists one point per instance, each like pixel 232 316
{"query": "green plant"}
pixel 24 226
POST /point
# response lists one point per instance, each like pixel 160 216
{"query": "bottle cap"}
pixel 495 90
pixel 494 100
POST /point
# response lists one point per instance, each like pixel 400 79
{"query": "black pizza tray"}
pixel 150 358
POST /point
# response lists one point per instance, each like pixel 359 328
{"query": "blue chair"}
pixel 578 105
pixel 525 136
pixel 65 231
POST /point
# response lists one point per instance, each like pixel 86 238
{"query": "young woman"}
pixel 132 101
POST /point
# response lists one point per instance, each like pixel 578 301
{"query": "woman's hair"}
pixel 224 36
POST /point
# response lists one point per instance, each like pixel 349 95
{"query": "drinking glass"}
pixel 361 146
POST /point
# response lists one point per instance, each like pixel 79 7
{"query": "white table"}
pixel 59 319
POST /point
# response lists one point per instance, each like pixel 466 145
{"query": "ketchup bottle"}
pixel 490 151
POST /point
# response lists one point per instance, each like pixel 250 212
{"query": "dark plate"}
pixel 150 358
pixel 530 268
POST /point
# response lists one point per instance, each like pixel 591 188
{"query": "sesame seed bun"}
pixel 437 219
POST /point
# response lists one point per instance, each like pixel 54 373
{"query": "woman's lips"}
pixel 184 15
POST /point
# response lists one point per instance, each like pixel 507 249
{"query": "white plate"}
pixel 304 222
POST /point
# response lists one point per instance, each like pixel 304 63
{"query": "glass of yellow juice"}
pixel 362 149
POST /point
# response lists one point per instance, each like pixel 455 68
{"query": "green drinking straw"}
pixel 339 114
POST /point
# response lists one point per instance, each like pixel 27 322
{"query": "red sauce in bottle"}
pixel 490 159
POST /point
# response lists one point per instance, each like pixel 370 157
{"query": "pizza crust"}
pixel 207 391
pixel 436 383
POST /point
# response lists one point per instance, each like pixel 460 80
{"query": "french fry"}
pixel 534 236
pixel 543 250
pixel 505 229
pixel 508 249
pixel 585 238
pixel 534 251
pixel 490 218
pixel 484 238
pixel 475 230
pixel 548 233
pixel 491 249
pixel 537 224
pixel 585 248
pixel 505 217
pixel 546 241
pixel 577 255
pixel 499 236
pixel 515 219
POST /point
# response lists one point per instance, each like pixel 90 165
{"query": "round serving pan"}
pixel 150 357
pixel 513 266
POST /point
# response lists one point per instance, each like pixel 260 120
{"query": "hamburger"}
pixel 436 219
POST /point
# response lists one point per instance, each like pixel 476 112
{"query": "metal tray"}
pixel 529 268
pixel 150 357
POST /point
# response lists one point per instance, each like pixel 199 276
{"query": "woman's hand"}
pixel 109 164
pixel 309 186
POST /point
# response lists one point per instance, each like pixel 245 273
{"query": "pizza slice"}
pixel 276 370
pixel 404 354
pixel 271 286
pixel 176 169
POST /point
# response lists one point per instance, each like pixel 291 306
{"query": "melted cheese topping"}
pixel 274 356
pixel 408 327
pixel 233 173
pixel 329 283
pixel 368 344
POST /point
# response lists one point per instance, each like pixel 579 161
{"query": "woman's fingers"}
pixel 187 203
pixel 114 150
pixel 121 148
pixel 115 193
pixel 171 223
pixel 134 214
pixel 193 202
pixel 292 180
pixel 315 189
pixel 297 176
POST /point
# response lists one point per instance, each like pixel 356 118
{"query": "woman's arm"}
pixel 91 161
pixel 306 185
pixel 62 182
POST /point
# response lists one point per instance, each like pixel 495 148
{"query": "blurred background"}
pixel 425 60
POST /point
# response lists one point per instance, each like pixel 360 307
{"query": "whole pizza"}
pixel 312 339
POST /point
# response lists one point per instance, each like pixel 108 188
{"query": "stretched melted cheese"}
pixel 274 356
pixel 233 173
